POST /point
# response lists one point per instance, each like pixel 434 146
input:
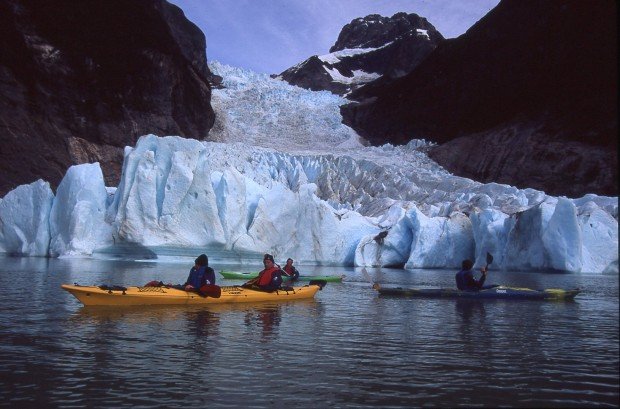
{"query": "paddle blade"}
pixel 320 283
pixel 489 258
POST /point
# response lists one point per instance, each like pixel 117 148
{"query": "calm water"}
pixel 346 348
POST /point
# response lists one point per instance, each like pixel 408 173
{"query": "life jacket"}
pixel 271 277
pixel 289 270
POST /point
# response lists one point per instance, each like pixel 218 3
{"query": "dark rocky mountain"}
pixel 368 48
pixel 80 80
pixel 527 97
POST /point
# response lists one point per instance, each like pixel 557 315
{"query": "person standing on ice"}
pixel 290 270
pixel 465 280
pixel 200 274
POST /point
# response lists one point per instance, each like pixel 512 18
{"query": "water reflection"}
pixel 469 308
pixel 267 318
pixel 135 315
pixel 203 323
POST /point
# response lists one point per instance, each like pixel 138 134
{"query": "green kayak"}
pixel 234 275
pixel 498 292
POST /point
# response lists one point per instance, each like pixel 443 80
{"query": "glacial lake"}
pixel 346 348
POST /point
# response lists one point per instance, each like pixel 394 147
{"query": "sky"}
pixel 269 36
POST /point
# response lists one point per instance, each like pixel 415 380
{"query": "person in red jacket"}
pixel 290 270
pixel 270 278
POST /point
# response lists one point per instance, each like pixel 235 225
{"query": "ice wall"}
pixel 180 194
pixel 24 219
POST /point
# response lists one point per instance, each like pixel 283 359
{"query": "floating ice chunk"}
pixel 390 246
pixel 166 197
pixel 599 247
pixel 562 238
pixel 24 219
pixel 612 268
pixel 490 229
pixel 440 242
pixel 525 249
pixel 77 218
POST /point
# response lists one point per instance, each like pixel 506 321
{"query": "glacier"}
pixel 280 173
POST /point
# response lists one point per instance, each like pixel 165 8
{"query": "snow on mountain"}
pixel 283 175
pixel 367 49
pixel 423 33
pixel 357 76
pixel 337 56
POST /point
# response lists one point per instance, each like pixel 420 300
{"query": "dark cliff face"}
pixel 389 47
pixel 543 73
pixel 81 80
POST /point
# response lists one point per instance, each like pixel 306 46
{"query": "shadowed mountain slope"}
pixel 528 97
pixel 81 80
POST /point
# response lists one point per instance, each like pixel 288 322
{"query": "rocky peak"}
pixel 375 31
pixel 373 48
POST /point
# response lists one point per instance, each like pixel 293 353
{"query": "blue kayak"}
pixel 499 292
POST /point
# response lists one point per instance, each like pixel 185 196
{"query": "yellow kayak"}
pixel 93 295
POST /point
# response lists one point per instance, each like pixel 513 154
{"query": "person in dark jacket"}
pixel 200 274
pixel 465 280
pixel 290 270
pixel 270 278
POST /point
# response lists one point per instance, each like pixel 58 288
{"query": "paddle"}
pixel 489 260
pixel 375 285
pixel 486 269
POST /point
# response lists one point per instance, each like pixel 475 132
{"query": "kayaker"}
pixel 270 278
pixel 200 274
pixel 290 270
pixel 465 280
